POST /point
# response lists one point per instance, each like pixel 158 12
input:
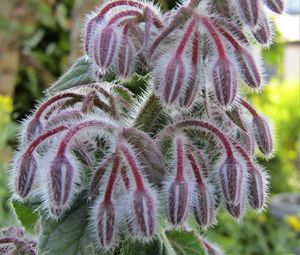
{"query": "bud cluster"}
pixel 84 139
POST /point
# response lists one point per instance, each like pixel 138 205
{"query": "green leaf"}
pixel 185 243
pixel 26 215
pixel 68 236
pixel 79 74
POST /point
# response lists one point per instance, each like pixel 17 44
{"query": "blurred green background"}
pixel 41 38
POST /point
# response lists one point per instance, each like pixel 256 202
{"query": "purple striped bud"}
pixel 209 248
pixel 237 211
pixel 171 78
pixel 225 81
pixel 262 32
pixel 249 11
pixel 257 188
pixel 105 47
pixel 26 171
pixel 178 201
pixel 232 175
pixel 125 59
pixel 204 206
pixel 275 5
pixel 60 185
pixel 263 135
pixel 106 224
pixel 143 221
pixel 248 68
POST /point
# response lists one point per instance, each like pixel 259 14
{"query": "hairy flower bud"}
pixel 275 5
pixel 249 11
pixel 237 210
pixel 209 248
pixel 232 176
pixel 125 57
pixel 178 201
pixel 225 81
pixel 204 206
pixel 25 172
pixel 262 32
pixel 171 78
pixel 106 223
pixel 248 68
pixel 105 47
pixel 143 215
pixel 60 188
pixel 33 129
pixel 257 188
pixel 263 135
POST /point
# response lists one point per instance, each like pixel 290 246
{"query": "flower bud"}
pixel 171 79
pixel 204 206
pixel 248 68
pixel 26 171
pixel 225 81
pixel 33 129
pixel 143 220
pixel 106 225
pixel 60 185
pixel 275 5
pixel 178 201
pixel 209 248
pixel 262 32
pixel 232 177
pixel 257 188
pixel 237 210
pixel 263 135
pixel 104 48
pixel 125 60
pixel 249 11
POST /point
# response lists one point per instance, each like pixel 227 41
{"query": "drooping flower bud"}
pixel 125 57
pixel 61 184
pixel 262 32
pixel 249 11
pixel 232 179
pixel 263 135
pixel 275 5
pixel 257 188
pixel 209 248
pixel 248 68
pixel 237 210
pixel 106 224
pixel 204 205
pixel 178 201
pixel 225 81
pixel 143 221
pixel 25 172
pixel 105 47
pixel 171 78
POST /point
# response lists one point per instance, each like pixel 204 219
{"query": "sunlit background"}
pixel 39 39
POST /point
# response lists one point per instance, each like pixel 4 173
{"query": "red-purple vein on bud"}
pixel 180 159
pixel 247 106
pixel 195 166
pixel 133 166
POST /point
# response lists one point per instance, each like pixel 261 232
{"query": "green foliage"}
pixel 26 215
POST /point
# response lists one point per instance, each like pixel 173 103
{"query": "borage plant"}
pixel 113 172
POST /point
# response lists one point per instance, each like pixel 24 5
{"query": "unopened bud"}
pixel 60 185
pixel 33 129
pixel 104 48
pixel 144 213
pixel 225 81
pixel 106 224
pixel 178 201
pixel 248 68
pixel 263 135
pixel 262 32
pixel 204 206
pixel 275 5
pixel 257 188
pixel 232 177
pixel 249 11
pixel 209 248
pixel 26 170
pixel 237 210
